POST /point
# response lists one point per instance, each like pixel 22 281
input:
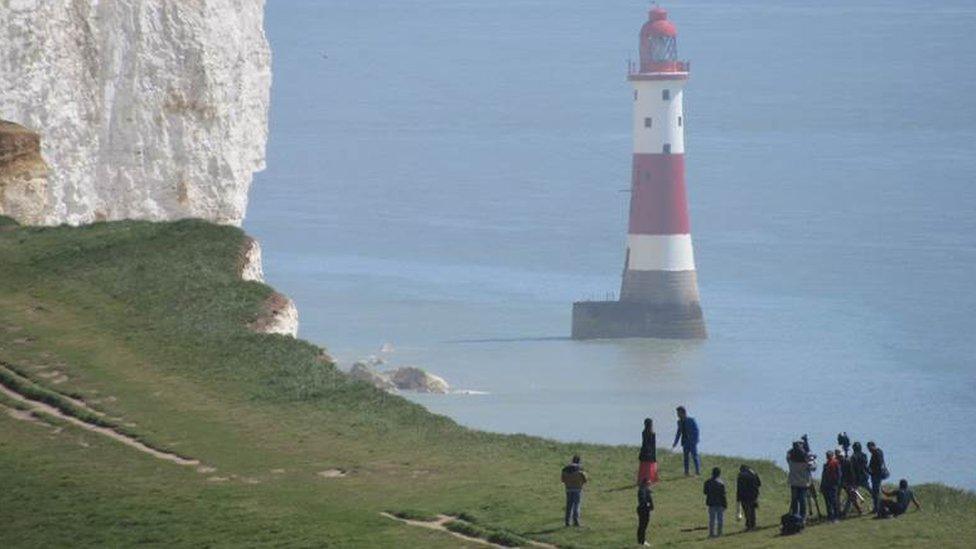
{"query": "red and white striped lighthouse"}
pixel 659 291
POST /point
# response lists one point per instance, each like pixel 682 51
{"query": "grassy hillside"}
pixel 140 327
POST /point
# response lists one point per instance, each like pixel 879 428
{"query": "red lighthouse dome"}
pixel 658 24
pixel 659 44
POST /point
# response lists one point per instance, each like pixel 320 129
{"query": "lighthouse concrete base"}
pixel 619 319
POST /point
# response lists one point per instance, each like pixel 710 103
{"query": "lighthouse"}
pixel 659 291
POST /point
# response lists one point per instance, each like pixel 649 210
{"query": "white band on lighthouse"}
pixel 660 252
pixel 658 121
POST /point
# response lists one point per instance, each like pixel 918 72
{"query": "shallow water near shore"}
pixel 445 176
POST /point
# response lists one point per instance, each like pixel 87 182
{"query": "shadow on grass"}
pixel 744 531
pixel 543 532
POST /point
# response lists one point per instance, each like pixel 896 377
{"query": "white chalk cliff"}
pixel 145 109
pixel 136 109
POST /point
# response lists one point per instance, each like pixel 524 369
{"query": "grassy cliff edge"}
pixel 143 326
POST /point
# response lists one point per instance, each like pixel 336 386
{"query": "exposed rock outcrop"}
pixel 23 174
pixel 407 378
pixel 250 264
pixel 414 379
pixel 362 371
pixel 325 358
pixel 278 316
pixel 143 109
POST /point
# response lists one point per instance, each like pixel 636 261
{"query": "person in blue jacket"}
pixel 688 436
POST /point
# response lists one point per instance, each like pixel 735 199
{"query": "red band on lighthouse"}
pixel 658 203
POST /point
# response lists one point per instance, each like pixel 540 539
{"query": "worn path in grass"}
pixel 146 323
pixel 36 406
pixel 438 525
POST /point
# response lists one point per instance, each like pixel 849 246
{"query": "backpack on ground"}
pixel 790 524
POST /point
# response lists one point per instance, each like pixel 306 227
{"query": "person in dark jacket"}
pixel 898 506
pixel 848 480
pixel 573 477
pixel 648 454
pixel 859 462
pixel 747 494
pixel 830 481
pixel 688 435
pixel 878 472
pixel 645 504
pixel 714 491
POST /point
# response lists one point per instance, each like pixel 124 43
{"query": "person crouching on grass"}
pixel 645 504
pixel 898 506
pixel 715 501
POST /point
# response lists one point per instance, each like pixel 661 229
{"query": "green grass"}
pixel 148 323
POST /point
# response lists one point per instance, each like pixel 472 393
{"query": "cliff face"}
pixel 144 109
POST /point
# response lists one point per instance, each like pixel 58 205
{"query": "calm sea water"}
pixel 445 176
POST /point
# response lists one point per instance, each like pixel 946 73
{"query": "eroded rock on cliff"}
pixel 278 313
pixel 278 316
pixel 251 266
pixel 146 110
pixel 23 174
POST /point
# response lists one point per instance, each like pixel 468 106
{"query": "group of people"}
pixel 843 472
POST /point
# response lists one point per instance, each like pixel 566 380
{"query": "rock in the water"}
pixel 414 379
pixel 143 110
pixel 406 379
pixel 363 371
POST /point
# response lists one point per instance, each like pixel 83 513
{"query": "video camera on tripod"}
pixel 812 464
pixel 844 442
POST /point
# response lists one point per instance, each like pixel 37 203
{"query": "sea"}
pixel 445 177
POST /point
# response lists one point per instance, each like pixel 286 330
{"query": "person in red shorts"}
pixel 648 454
